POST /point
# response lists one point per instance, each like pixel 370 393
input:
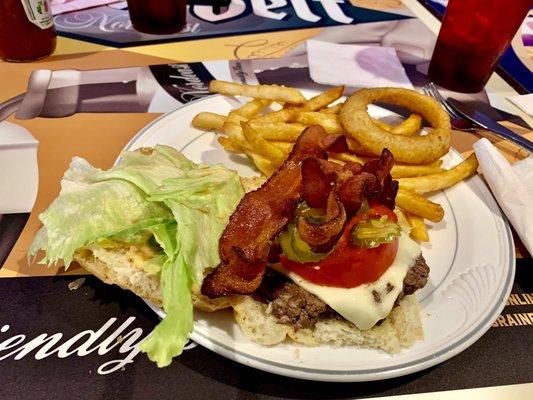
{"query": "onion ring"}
pixel 410 150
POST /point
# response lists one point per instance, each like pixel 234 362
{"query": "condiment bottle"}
pixel 26 30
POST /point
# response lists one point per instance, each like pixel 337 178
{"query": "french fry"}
pixel 323 99
pixel 348 157
pixel 437 163
pixel 268 92
pixel 252 107
pixel 283 146
pixel 402 221
pixel 332 110
pixel 419 205
pixel 262 147
pixel 430 183
pixel 335 160
pixel 208 121
pixel 327 121
pixel 233 118
pixel 283 115
pixel 418 227
pixel 408 127
pixel 243 113
pixel 267 140
pixel 229 145
pixel 398 170
pixel 406 170
pixel 262 164
pixel 282 132
pixel 313 104
pixel 234 132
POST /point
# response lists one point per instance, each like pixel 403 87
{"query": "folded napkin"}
pixel 355 65
pixel 63 6
pixel 512 186
pixel 524 102
pixel 18 162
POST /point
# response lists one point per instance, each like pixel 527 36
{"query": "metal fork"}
pixel 456 120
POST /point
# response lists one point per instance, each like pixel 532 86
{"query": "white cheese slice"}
pixel 357 304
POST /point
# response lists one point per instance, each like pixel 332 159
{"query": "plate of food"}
pixel 316 237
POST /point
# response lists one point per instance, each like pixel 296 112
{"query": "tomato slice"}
pixel 349 266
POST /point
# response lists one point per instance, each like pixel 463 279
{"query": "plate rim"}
pixel 358 375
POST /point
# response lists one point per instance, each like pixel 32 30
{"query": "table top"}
pixel 99 137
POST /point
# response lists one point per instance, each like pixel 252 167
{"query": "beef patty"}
pixel 293 305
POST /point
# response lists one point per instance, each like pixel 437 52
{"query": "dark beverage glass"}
pixel 473 36
pixel 159 17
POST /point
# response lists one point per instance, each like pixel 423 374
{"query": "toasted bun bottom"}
pixel 121 268
pixel 399 330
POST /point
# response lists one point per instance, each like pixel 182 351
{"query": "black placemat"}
pixel 35 307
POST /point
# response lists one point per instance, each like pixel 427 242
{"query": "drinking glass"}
pixel 473 36
pixel 158 16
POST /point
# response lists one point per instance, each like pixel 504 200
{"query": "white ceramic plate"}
pixel 471 257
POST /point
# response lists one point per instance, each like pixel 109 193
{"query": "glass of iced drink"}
pixel 473 36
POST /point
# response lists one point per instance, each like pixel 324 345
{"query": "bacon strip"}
pixel 352 192
pixel 372 180
pixel 316 184
pixel 260 216
pixel 388 194
pixel 336 143
pixel 381 166
pixel 322 237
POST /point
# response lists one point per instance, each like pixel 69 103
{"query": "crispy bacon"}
pixel 372 180
pixel 353 167
pixel 316 183
pixel 380 167
pixel 260 216
pixel 249 239
pixel 336 143
pixel 352 192
pixel 323 236
pixel 388 194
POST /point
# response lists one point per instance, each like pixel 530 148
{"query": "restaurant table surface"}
pixel 99 137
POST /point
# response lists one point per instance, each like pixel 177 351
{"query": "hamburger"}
pixel 318 256
pixel 314 254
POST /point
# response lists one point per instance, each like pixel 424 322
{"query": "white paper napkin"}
pixel 524 102
pixel 355 65
pixel 64 6
pixel 19 175
pixel 512 186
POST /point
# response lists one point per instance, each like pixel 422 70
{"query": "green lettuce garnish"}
pixel 160 197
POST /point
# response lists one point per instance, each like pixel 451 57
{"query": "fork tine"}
pixel 436 94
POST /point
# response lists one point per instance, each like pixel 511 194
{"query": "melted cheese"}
pixel 358 305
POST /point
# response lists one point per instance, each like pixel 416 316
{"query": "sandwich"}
pixel 315 254
pixel 318 256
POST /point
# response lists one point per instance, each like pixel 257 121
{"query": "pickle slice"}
pixel 295 248
pixel 371 233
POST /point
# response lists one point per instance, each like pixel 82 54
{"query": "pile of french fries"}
pixel 266 135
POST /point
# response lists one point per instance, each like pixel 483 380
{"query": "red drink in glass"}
pixel 158 16
pixel 472 38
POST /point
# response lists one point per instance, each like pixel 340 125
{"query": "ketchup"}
pixel 26 30
pixel 349 266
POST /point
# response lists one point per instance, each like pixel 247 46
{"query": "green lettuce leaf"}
pixel 201 201
pixel 159 196
pixel 172 333
pixel 88 208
